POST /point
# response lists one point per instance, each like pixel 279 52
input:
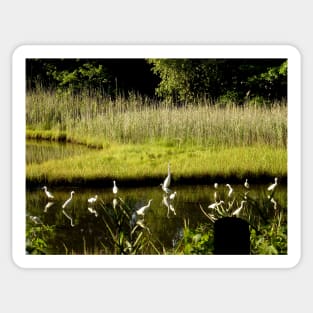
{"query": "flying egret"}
pixel 231 190
pixel 246 184
pixel 173 195
pixel 68 200
pixel 273 186
pixel 93 199
pixel 115 189
pixel 48 193
pixel 215 204
pixel 141 211
pixel 237 211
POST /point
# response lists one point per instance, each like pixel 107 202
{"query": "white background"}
pixel 99 22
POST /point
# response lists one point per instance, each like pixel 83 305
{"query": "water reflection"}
pixel 38 152
pixel 47 206
pixel 112 225
pixel 69 217
pixel 168 203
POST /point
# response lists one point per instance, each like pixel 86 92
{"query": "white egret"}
pixel 215 185
pixel 173 195
pixel 231 190
pixel 93 199
pixel 237 211
pixel 246 184
pixel 115 189
pixel 215 204
pixel 48 193
pixel 165 189
pixel 273 186
pixel 68 200
pixel 141 211
pixel 167 180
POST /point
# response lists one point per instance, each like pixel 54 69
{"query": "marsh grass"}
pixel 147 164
pixel 98 121
pixel 137 136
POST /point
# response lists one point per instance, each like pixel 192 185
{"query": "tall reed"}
pixel 142 120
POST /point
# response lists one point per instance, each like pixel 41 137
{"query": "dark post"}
pixel 231 236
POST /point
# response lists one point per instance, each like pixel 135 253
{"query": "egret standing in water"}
pixel 142 210
pixel 93 199
pixel 237 211
pixel 246 184
pixel 273 186
pixel 48 193
pixel 167 180
pixel 115 189
pixel 68 200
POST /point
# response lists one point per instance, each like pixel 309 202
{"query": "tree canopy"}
pixel 176 80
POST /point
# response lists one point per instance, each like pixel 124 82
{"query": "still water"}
pixel 111 225
pixel 84 228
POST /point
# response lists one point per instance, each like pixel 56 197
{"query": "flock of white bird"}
pixel 168 197
pixel 219 203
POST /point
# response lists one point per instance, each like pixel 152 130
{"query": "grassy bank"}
pixel 146 164
pixel 136 137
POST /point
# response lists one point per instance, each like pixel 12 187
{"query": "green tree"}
pixel 230 79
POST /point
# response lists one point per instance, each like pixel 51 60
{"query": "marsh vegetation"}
pixel 83 132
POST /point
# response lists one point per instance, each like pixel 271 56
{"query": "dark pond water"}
pixel 111 225
pixel 84 228
pixel 38 152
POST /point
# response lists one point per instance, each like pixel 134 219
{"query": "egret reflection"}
pixel 47 206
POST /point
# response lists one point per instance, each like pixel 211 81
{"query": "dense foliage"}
pixel 176 80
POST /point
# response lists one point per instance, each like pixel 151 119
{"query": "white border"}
pixel 156 51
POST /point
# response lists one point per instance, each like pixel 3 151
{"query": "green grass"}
pixel 145 163
pixel 136 138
